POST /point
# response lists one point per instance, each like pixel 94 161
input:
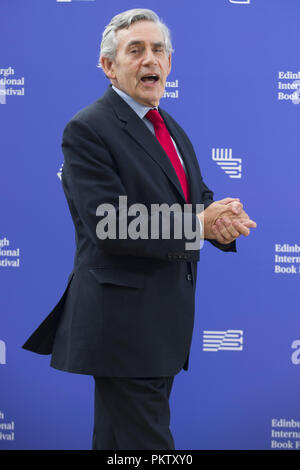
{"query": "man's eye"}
pixel 133 51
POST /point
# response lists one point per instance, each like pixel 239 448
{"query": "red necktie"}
pixel 165 141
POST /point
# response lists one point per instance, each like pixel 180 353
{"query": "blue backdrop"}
pixel 233 88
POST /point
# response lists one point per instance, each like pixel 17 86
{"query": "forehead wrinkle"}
pixel 134 42
pixel 137 36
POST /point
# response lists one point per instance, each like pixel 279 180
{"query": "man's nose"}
pixel 149 57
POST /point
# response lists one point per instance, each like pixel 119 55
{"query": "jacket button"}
pixel 189 277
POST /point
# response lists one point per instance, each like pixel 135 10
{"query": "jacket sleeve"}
pixel 90 178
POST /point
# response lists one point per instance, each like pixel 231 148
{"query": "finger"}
pixel 223 229
pixel 218 236
pixel 236 207
pixel 247 222
pixel 243 215
pixel 227 200
pixel 230 227
pixel 241 228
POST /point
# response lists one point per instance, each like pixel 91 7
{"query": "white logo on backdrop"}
pixel 229 340
pixel 242 2
pixel 2 94
pixel 295 358
pixel 8 257
pixel 174 86
pixel 6 426
pixel 60 172
pixel 289 90
pixel 2 352
pixel 296 94
pixel 7 83
pixel 231 166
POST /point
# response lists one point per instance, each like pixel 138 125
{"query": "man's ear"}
pixel 170 64
pixel 108 67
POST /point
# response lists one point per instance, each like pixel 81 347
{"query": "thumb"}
pixel 227 200
pixel 236 207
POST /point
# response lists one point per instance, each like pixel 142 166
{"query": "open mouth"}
pixel 150 78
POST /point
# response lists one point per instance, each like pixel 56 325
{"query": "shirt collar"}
pixel 139 108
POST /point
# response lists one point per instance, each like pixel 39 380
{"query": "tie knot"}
pixel 154 117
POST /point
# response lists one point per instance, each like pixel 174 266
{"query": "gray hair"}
pixel 109 42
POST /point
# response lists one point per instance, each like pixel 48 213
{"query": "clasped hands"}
pixel 225 220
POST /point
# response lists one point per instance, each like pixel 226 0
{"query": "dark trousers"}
pixel 132 413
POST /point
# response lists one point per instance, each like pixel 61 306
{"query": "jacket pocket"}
pixel 117 276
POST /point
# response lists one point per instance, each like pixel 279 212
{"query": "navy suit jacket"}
pixel 128 309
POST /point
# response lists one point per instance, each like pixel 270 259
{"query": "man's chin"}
pixel 148 100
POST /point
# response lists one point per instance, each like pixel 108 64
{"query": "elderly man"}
pixel 127 314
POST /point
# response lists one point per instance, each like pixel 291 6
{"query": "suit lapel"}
pixel 138 131
pixel 141 134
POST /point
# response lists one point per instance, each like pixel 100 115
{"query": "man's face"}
pixel 141 65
